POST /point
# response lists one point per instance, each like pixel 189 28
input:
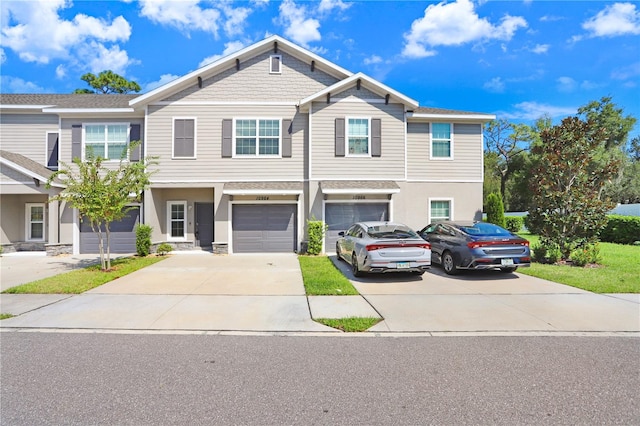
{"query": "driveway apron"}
pixel 261 292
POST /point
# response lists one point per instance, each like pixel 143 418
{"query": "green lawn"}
pixel 619 272
pixel 81 280
pixel 322 278
pixel 351 324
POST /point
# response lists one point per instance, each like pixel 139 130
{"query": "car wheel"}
pixel 509 269
pixel 338 252
pixel 449 264
pixel 354 266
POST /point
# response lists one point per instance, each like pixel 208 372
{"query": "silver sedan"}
pixel 383 247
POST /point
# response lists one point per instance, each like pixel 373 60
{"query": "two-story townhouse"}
pixel 249 148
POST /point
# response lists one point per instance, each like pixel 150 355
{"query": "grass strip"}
pixel 81 280
pixel 349 325
pixel 5 316
pixel 619 271
pixel 322 278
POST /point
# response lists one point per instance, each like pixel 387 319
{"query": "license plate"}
pixel 403 265
pixel 506 262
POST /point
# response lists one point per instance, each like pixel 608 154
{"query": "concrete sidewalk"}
pixel 265 293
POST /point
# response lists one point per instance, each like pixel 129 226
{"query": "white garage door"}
pixel 259 228
pixel 340 216
pixel 123 235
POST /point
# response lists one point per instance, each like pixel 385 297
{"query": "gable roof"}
pixel 274 42
pixel 441 114
pixel 28 167
pixel 366 81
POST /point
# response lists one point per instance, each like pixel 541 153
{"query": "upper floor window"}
pixel 256 137
pixel 109 141
pixel 184 138
pixel 441 141
pixel 275 64
pixel 358 136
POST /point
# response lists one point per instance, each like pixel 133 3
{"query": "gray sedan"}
pixel 383 247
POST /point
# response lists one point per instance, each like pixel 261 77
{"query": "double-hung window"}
pixel 358 136
pixel 35 221
pixel 184 138
pixel 177 220
pixel 109 141
pixel 257 137
pixel 440 210
pixel 441 141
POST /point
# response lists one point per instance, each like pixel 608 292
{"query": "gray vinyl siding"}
pixel 253 82
pixel 324 162
pixel 209 164
pixel 26 134
pixel 467 154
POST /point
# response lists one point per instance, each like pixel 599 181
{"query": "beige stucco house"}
pixel 249 148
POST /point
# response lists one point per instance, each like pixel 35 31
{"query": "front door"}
pixel 204 225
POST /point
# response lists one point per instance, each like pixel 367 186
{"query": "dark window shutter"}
pixel 76 141
pixel 286 138
pixel 227 138
pixel 134 135
pixel 184 138
pixel 376 137
pixel 52 151
pixel 339 137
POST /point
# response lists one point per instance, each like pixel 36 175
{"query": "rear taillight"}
pixel 373 247
pixel 478 244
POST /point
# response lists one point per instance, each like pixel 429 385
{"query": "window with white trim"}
pixel 257 137
pixel 441 141
pixel 275 64
pixel 176 220
pixel 35 221
pixel 109 141
pixel 358 136
pixel 439 210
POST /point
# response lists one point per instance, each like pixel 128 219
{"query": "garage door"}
pixel 340 216
pixel 261 228
pixel 123 235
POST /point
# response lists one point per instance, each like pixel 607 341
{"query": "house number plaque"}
pixel 358 197
pixel 262 198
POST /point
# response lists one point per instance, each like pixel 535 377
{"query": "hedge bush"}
pixel 621 230
pixel 514 223
pixel 143 239
pixel 495 209
pixel 546 252
pixel 588 254
pixel 316 230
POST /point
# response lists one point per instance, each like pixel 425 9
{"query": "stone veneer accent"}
pixel 220 248
pixel 58 249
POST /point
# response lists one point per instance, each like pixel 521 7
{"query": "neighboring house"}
pixel 249 148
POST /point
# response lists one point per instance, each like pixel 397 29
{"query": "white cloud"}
pixel 495 85
pixel 61 72
pixel 260 3
pixel 229 48
pixel 236 18
pixel 164 79
pixel 37 33
pixel 626 73
pixel 100 58
pixel 454 24
pixel 373 59
pixel 299 27
pixel 540 48
pixel 551 18
pixel 615 20
pixel 566 84
pixel 185 15
pixel 535 110
pixel 17 85
pixel 329 5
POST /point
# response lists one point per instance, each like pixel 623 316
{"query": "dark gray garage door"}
pixel 264 228
pixel 123 235
pixel 340 216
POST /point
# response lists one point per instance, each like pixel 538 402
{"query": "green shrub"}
pixel 143 239
pixel 546 252
pixel 495 209
pixel 316 230
pixel 621 229
pixel 514 223
pixel 586 255
pixel 164 248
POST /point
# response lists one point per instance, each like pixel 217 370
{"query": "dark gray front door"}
pixel 204 224
pixel 264 228
pixel 340 216
pixel 123 235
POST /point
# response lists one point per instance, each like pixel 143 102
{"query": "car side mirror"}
pixel 341 233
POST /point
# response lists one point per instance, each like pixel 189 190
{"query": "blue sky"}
pixel 517 59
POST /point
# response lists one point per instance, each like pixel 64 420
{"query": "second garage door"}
pixel 340 216
pixel 261 228
pixel 123 235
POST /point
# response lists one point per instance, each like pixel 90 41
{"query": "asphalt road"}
pixel 80 379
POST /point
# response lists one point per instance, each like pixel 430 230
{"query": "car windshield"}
pixel 482 229
pixel 391 231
